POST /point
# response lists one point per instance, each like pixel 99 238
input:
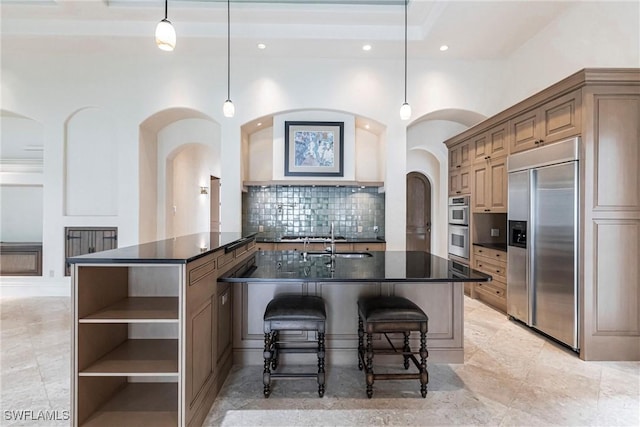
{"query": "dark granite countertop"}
pixel 497 246
pixel 178 250
pixel 387 266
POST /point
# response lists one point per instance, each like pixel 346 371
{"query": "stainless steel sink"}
pixel 312 239
pixel 340 254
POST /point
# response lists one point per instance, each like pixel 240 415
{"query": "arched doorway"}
pixel 418 232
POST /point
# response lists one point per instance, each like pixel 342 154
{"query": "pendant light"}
pixel 165 33
pixel 228 108
pixel 405 110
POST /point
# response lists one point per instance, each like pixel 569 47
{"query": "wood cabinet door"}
pixel 561 118
pixel 460 156
pixel 460 182
pixel 480 198
pixel 481 148
pixel 498 188
pixel 497 139
pixel 524 131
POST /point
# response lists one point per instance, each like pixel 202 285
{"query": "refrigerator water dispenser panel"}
pixel 518 234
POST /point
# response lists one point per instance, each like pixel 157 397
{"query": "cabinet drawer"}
pixel 200 271
pixel 224 259
pixel 490 266
pixel 494 289
pixel 490 253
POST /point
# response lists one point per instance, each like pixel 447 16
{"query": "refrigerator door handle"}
pixel 531 238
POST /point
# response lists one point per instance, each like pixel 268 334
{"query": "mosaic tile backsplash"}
pixel 309 211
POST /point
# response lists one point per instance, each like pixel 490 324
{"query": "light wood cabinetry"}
pixel 555 120
pixel 460 181
pixel 602 107
pixel 489 192
pixel 491 144
pixel 494 263
pixel 152 342
pixel 460 156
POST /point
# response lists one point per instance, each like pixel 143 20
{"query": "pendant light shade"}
pixel 228 109
pixel 405 109
pixel 165 33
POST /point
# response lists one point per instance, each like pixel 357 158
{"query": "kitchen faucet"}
pixel 332 248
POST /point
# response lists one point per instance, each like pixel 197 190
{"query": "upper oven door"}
pixel 459 215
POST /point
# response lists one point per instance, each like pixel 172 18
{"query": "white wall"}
pixel 21 213
pixel 49 87
pixel 260 155
pixel 591 34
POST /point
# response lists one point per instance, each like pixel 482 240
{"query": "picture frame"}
pixel 313 148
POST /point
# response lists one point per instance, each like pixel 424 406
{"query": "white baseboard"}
pixel 29 286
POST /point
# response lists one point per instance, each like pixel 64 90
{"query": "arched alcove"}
pixel 170 139
pixel 91 164
pixel 427 154
pixel 21 193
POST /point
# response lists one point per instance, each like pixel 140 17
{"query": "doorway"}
pixel 418 231
pixel 214 207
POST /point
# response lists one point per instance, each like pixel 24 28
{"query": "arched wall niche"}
pixel 263 138
pixel 90 164
pixel 427 154
pixel 168 140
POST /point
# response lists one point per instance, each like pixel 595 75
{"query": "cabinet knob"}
pixel 480 250
pixel 487 210
pixel 457 166
pixel 497 255
pixel 458 192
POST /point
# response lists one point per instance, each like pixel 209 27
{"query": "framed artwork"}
pixel 313 148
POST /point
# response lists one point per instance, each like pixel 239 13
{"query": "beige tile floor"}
pixel 511 376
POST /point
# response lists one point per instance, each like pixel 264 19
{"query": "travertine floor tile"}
pixel 511 377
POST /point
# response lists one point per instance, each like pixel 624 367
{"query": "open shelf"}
pixel 139 404
pixel 137 309
pixel 141 357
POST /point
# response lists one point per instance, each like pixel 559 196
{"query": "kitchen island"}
pixel 157 326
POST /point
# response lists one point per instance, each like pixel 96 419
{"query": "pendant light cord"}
pixel 165 9
pixel 228 50
pixel 405 50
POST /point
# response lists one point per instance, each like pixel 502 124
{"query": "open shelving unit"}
pixel 127 340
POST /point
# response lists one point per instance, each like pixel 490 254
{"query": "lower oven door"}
pixel 459 241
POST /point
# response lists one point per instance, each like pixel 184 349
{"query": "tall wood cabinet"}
pixel 602 107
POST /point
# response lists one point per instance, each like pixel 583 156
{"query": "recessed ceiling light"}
pixel 444 47
pixel 366 126
pixel 262 46
pixel 259 124
pixel 366 47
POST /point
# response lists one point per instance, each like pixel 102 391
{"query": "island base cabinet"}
pixel 119 401
pixel 442 302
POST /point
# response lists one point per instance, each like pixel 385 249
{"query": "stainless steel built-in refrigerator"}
pixel 542 252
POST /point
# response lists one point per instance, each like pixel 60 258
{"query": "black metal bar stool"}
pixel 392 314
pixel 293 313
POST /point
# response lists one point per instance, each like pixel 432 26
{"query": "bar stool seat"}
pixel 293 313
pixel 392 314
